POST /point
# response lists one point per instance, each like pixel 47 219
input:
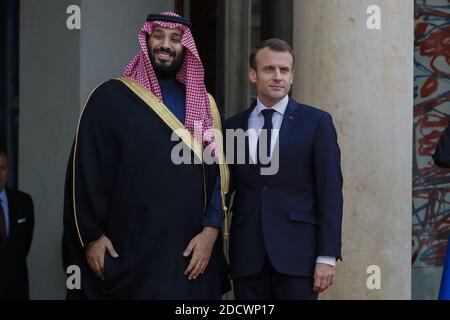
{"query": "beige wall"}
pixel 365 79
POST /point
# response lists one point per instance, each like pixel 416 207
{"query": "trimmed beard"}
pixel 164 70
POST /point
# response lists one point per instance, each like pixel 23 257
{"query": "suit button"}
pixel 265 188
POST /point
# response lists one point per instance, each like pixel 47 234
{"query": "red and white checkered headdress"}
pixel 191 74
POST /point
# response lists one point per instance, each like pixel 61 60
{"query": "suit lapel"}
pixel 246 117
pixel 290 120
pixel 243 122
pixel 4 243
pixel 12 213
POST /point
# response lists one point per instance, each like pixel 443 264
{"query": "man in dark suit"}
pixel 285 234
pixel 16 233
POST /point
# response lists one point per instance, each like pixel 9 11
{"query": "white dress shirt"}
pixel 256 123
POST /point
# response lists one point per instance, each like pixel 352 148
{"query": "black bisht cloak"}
pixel 127 187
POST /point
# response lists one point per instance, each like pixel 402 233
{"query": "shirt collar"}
pixel 280 106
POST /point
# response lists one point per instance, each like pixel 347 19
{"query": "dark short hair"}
pixel 274 44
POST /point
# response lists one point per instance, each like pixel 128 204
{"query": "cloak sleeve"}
pixel 214 213
pixel 94 158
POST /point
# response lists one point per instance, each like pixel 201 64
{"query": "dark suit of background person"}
pixel 16 233
pixel 441 155
pixel 283 223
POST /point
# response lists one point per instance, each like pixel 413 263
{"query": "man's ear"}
pixel 252 75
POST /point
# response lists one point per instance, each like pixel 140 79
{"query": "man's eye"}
pixel 176 40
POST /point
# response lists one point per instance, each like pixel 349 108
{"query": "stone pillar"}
pixel 364 78
pixel 232 83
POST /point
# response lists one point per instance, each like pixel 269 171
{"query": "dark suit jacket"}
pixel 441 155
pixel 295 215
pixel 13 253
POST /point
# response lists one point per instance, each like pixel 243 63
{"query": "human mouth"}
pixel 162 56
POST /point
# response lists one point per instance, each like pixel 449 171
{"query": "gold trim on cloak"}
pixel 223 167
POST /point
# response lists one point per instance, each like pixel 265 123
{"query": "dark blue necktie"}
pixel 262 143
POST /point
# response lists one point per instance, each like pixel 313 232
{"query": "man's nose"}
pixel 277 75
pixel 165 43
